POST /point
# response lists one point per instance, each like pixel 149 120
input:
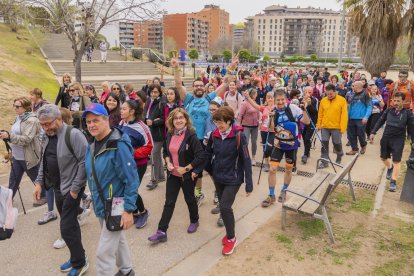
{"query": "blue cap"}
pixel 96 109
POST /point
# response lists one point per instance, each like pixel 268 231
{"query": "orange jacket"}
pixel 407 89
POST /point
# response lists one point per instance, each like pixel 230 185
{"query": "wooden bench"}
pixel 310 198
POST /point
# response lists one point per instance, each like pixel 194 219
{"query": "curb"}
pixel 379 196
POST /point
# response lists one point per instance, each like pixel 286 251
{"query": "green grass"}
pixel 364 201
pixel 284 240
pixel 390 268
pixel 25 70
pixel 311 228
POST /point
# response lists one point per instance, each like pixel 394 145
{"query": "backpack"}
pixel 69 144
pixel 289 114
pixel 8 214
pixel 237 97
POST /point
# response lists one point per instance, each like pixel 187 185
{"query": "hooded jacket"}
pixel 114 166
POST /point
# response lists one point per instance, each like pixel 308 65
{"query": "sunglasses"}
pixel 116 88
pixel 403 77
pixel 17 106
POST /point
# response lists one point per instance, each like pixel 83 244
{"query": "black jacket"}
pixel 313 110
pixel 156 114
pixel 63 97
pixel 190 152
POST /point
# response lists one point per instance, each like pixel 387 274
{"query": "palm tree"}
pixel 378 24
pixel 410 29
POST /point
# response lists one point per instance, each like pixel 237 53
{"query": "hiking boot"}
pixel 86 203
pixel 389 172
pixel 216 210
pixel 268 201
pixel 152 185
pixel 363 150
pixel 220 222
pixel 82 217
pixel 323 165
pixel 39 202
pixel 338 159
pixel 393 186
pixel 159 236
pixel 48 216
pixel 59 243
pixel 141 219
pixel 282 197
pixel 79 271
pixel 192 228
pixel 200 199
pixel 304 159
pixel 294 171
pixel 352 152
pixel 130 273
pixel 229 246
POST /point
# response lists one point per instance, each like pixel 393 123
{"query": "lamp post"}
pixel 341 41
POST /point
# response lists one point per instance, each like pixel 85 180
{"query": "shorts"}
pixel 270 141
pixel 392 147
pixel 277 156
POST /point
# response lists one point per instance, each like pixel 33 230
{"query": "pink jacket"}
pixel 248 115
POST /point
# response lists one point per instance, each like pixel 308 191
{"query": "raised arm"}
pixel 230 70
pixel 177 78
pixel 250 100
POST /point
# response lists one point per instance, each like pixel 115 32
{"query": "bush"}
pixel 193 54
pixel 173 53
pixel 313 57
pixel 301 58
pixel 137 53
pixel 115 48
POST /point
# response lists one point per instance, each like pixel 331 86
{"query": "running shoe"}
pixel 216 210
pixel 141 220
pixel 215 197
pixel 200 199
pixel 48 216
pixel 192 228
pixel 82 217
pixel 393 186
pixel 229 246
pixel 220 222
pixel 86 203
pixel 294 171
pixel 159 236
pixel 389 172
pixel 282 197
pixel 79 271
pixel 268 201
pixel 323 165
pixel 66 266
pixel 304 159
pixel 59 243
pixel 152 185
pixel 130 273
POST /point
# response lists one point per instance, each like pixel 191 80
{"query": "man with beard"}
pixel 197 106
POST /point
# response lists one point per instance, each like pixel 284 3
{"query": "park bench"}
pixel 310 198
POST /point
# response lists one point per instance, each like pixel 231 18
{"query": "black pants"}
pixel 226 195
pixel 371 123
pixel 174 184
pixel 307 136
pixel 356 131
pixel 140 204
pixel 69 226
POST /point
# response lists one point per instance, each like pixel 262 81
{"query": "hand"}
pixel 235 60
pixel 364 121
pixel 174 62
pixel 247 194
pixel 194 176
pixel 371 138
pixel 149 122
pixel 126 220
pixel 181 170
pixel 4 135
pixel 271 114
pixel 73 195
pixel 37 191
pixel 170 166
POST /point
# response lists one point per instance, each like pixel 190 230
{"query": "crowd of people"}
pixel 107 141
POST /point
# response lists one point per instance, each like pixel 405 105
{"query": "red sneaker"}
pixel 229 246
pixel 224 240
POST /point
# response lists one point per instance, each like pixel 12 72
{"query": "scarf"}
pixel 178 132
pixel 225 133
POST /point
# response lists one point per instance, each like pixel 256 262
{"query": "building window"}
pixel 263 43
pixel 280 49
pixel 264 21
pixel 258 37
pixel 271 21
pixel 280 43
pixel 280 26
pixel 270 33
pixel 274 44
pixel 271 26
pixel 270 43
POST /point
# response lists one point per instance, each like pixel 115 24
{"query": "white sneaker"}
pixel 82 217
pixel 253 162
pixel 59 243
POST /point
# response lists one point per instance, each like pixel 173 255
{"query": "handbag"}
pixel 113 207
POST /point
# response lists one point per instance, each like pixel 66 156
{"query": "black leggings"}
pixel 227 195
pixel 140 204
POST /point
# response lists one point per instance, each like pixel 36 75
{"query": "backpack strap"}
pixel 188 104
pixel 67 141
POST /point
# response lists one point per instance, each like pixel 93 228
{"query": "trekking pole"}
pixel 264 150
pixel 313 140
pixel 320 139
pixel 21 200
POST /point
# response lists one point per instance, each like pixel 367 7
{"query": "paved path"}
pixel 30 250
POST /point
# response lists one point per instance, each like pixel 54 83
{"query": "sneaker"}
pixel 82 217
pixel 393 186
pixel 141 219
pixel 363 150
pixel 348 144
pixel 216 210
pixel 130 273
pixel 266 168
pixel 304 159
pixel 338 159
pixel 192 228
pixel 323 165
pixel 220 222
pixel 352 152
pixel 294 171
pixel 159 236
pixel 59 243
pixel 48 216
pixel 79 271
pixel 224 240
pixel 66 266
pixel 86 203
pixel 215 197
pixel 282 197
pixel 268 201
pixel 152 185
pixel 229 246
pixel 389 172
pixel 200 199
pixel 39 202
pixel 253 162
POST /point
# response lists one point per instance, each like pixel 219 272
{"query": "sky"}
pixel 240 9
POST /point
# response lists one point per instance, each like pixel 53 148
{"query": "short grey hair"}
pixel 48 111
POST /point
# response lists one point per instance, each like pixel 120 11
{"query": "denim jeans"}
pixel 18 169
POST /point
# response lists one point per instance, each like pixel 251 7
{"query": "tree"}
pixel 244 55
pixel 193 54
pixel 313 57
pixel 266 58
pixel 378 25
pixel 227 55
pixel 301 58
pixel 173 53
pixel 410 30
pixel 401 53
pixel 220 44
pixel 12 12
pixel 82 22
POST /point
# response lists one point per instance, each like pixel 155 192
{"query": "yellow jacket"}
pixel 333 114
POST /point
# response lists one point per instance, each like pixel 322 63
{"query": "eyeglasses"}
pixel 116 88
pixel 17 106
pixel 47 125
pixel 212 110
pixel 155 91
pixel 73 90
pixel 179 118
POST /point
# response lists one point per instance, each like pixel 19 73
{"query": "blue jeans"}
pixel 356 131
pixel 16 174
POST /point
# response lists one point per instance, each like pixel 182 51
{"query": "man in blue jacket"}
pixel 111 155
pixel 359 111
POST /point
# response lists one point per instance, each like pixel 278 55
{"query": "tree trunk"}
pixel 411 51
pixel 77 63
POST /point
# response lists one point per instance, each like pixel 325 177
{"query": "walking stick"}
pixel 264 150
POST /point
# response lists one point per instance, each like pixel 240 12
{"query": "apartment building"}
pixel 238 34
pixel 148 34
pixel 218 21
pixel 300 31
pixel 126 34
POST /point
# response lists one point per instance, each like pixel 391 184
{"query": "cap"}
pixel 371 82
pixel 96 109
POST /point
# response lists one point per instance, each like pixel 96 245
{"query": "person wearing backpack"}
pixel 113 180
pixel 398 121
pixel 64 171
pixel 233 98
pixel 403 85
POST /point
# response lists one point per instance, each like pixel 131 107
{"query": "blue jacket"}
pixel 360 106
pixel 228 165
pixel 114 165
